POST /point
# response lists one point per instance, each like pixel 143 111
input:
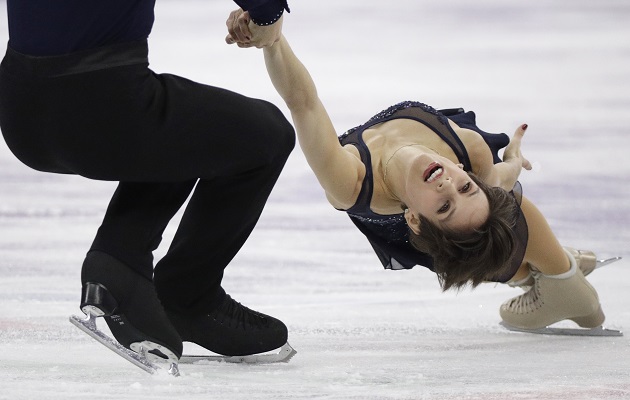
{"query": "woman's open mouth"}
pixel 434 171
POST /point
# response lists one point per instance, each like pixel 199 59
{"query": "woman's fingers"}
pixel 243 28
pixel 238 30
pixel 518 136
pixel 520 132
pixel 513 150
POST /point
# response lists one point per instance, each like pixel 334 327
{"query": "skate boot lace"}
pixel 529 301
pixel 233 313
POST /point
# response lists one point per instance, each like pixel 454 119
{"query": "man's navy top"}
pixel 49 27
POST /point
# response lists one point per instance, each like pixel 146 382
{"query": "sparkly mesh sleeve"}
pixel 264 12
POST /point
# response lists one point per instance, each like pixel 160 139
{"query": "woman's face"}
pixel 442 192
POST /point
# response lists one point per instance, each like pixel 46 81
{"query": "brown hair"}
pixel 462 258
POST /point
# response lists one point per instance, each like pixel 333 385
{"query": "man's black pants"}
pixel 105 115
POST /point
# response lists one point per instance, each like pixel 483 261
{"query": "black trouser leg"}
pixel 218 220
pixel 104 115
pixel 136 217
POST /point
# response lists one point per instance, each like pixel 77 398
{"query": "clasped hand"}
pixel 245 33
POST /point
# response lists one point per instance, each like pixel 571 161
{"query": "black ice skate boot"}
pixel 130 306
pixel 236 332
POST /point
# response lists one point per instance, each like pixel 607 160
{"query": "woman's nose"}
pixel 445 184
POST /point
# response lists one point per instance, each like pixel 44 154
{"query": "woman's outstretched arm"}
pixel 338 171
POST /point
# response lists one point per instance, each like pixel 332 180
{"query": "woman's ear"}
pixel 461 166
pixel 412 221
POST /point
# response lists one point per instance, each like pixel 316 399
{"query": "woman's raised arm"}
pixel 506 173
pixel 338 171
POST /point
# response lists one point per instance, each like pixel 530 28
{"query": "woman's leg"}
pixel 559 289
pixel 522 275
pixel 544 251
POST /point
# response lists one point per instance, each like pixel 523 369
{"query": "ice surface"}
pixel 361 332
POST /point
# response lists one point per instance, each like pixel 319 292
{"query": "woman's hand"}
pixel 513 154
pixel 243 32
pixel 506 173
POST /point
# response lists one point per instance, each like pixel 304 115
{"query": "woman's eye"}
pixel 465 188
pixel 444 208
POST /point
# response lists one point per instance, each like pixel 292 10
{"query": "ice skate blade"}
pixel 601 263
pixel 599 331
pixel 285 354
pixel 140 359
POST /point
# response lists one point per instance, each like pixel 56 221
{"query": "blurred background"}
pixel 563 67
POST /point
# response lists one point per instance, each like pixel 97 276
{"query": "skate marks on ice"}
pixel 145 356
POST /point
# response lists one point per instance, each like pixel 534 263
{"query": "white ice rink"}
pixel 361 332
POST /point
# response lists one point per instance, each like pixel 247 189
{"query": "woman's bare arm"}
pixel 506 173
pixel 338 171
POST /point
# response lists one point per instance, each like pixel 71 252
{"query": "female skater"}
pixel 427 188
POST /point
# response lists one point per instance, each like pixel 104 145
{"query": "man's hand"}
pixel 243 32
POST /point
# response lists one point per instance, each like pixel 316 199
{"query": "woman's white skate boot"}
pixel 585 259
pixel 554 298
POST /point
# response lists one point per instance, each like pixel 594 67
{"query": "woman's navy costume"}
pixel 389 234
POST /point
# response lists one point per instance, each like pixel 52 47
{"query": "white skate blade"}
pixel 550 330
pixel 601 263
pixel 285 354
pixel 140 360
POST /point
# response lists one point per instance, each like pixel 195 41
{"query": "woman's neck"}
pixel 395 169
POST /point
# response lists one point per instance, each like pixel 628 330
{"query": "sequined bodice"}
pixel 393 227
pixel 388 234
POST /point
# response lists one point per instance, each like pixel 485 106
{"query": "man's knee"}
pixel 281 137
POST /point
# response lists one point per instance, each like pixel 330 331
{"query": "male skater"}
pixel 77 97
